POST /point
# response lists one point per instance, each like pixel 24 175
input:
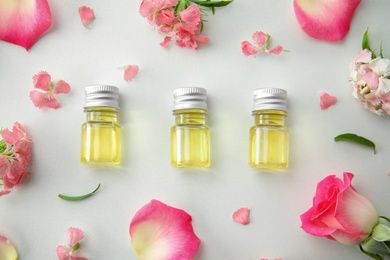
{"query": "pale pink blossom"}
pixel 87 15
pixel 161 232
pixel 43 94
pixel 325 20
pixel 24 22
pixel 339 212
pixel 327 100
pixel 15 156
pixel 241 216
pixel 261 40
pixel 150 9
pixel 7 250
pixel 67 252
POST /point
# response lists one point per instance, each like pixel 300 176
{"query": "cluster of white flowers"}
pixel 370 81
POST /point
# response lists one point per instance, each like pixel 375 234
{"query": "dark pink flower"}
pixel 161 232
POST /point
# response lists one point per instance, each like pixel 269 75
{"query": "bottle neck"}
pixel 270 117
pixel 190 116
pixel 102 114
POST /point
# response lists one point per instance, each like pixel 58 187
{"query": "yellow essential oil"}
pixel 101 133
pixel 190 136
pixel 269 137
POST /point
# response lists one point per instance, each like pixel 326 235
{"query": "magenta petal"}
pixel 24 22
pixel 161 232
pixel 325 20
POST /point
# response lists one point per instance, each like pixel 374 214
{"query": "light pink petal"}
pixel 161 232
pixel 42 80
pixel 62 252
pixel 248 49
pixel 241 216
pixel 327 100
pixel 7 250
pixel 363 57
pixel 74 236
pixel 165 43
pixel 12 137
pixel 24 22
pixel 130 72
pixel 41 100
pixel 371 78
pixel 260 38
pixel 72 257
pixel 191 15
pixel 61 87
pixel 275 50
pixel 87 15
pixel 325 20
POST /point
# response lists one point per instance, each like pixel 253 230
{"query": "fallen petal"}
pixel 74 236
pixel 241 216
pixel 325 20
pixel 24 22
pixel 41 100
pixel 248 49
pixel 130 72
pixel 327 100
pixel 87 15
pixel 61 87
pixel 42 80
pixel 275 50
pixel 7 250
pixel 260 38
pixel 161 232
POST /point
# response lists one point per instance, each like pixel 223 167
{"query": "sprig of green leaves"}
pixel 366 45
pixel 355 139
pixel 77 198
pixel 212 4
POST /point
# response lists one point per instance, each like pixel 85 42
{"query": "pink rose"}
pixel 339 212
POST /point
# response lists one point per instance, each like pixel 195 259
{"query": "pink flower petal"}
pixel 241 216
pixel 12 137
pixel 42 80
pixel 161 232
pixel 165 43
pixel 327 100
pixel 41 100
pixel 62 252
pixel 248 49
pixel 74 236
pixel 275 50
pixel 87 15
pixel 130 72
pixel 260 38
pixel 61 87
pixel 191 15
pixel 325 20
pixel 24 22
pixel 7 250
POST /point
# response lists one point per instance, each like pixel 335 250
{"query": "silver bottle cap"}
pixel 270 99
pixel 101 96
pixel 190 97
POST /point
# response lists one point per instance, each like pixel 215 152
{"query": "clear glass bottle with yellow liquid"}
pixel 101 133
pixel 190 136
pixel 269 137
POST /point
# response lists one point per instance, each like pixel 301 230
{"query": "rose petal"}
pixel 24 22
pixel 7 250
pixel 159 231
pixel 130 72
pixel 61 87
pixel 325 20
pixel 327 100
pixel 41 100
pixel 87 15
pixel 42 80
pixel 241 216
pixel 74 236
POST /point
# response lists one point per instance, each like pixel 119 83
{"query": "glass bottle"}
pixel 190 136
pixel 101 133
pixel 269 137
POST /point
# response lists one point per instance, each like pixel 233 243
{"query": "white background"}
pixel 35 219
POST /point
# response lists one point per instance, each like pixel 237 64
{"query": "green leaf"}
pixel 212 4
pixel 381 233
pixel 365 43
pixel 355 139
pixel 77 198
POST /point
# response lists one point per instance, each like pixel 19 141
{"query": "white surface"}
pixel 36 220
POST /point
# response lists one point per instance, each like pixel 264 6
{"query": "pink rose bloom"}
pixel 339 212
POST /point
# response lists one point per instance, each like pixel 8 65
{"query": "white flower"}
pixel 382 68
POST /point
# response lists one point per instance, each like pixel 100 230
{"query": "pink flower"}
pixel 15 156
pixel 74 235
pixel 161 232
pixel 262 40
pixel 24 22
pixel 150 9
pixel 327 100
pixel 325 20
pixel 43 95
pixel 87 15
pixel 7 250
pixel 339 212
